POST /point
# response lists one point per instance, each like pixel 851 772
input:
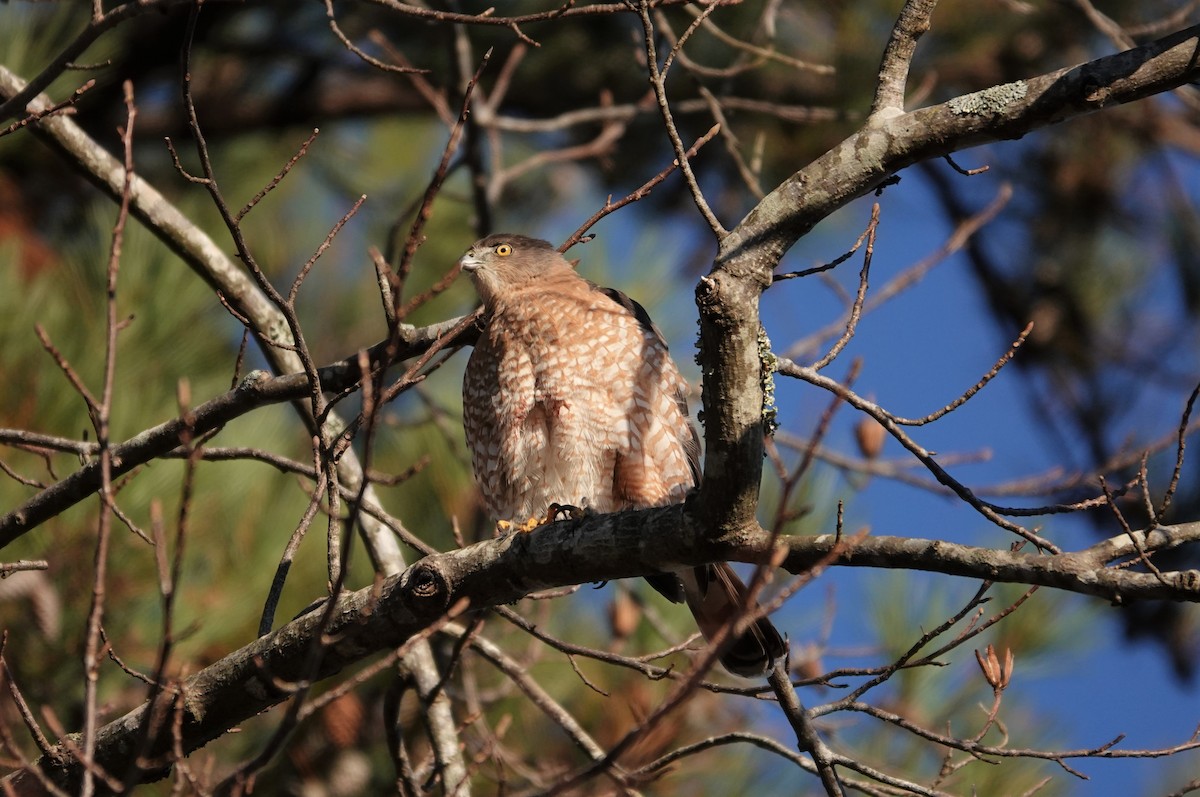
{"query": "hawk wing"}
pixel 690 440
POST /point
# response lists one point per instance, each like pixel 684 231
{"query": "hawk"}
pixel 570 397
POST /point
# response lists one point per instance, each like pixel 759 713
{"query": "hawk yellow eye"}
pixel 504 250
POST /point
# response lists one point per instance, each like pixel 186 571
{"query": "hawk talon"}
pixel 565 512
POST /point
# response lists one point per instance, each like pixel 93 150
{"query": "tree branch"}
pixel 912 24
pixel 268 323
pixel 256 390
pixel 1082 572
pixel 600 547
pixel 734 352
pixel 15 102
pixel 863 161
pixel 597 548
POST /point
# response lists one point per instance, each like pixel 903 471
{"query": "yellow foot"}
pixel 507 526
pixel 553 513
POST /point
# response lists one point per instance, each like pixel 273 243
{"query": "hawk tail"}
pixel 717 597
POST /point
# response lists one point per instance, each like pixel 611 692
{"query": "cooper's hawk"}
pixel 570 397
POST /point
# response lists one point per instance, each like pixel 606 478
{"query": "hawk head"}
pixel 504 262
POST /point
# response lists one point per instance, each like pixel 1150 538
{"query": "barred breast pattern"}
pixel 570 398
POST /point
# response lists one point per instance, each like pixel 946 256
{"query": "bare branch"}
pixel 99 24
pixel 415 234
pixel 356 50
pixel 859 297
pixel 973 389
pixel 93 654
pixel 658 79
pixel 958 238
pixel 802 724
pixel 911 25
pixel 256 390
pixel 603 547
pixel 990 511
pixel 1179 449
pixel 58 107
pixel 278 178
pixel 638 193
pixel 760 53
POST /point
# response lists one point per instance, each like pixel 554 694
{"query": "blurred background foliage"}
pixel 1098 247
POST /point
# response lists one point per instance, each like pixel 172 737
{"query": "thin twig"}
pixel 416 231
pixel 57 107
pixel 1179 449
pixel 356 50
pixel 93 655
pixel 859 297
pixel 988 510
pixel 975 388
pixel 35 730
pixel 278 178
pixel 324 246
pixel 658 81
pixel 639 193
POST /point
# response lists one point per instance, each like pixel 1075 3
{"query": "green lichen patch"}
pixel 989 102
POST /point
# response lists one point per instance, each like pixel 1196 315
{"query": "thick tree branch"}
pixel 597 548
pixel 734 352
pixel 1082 572
pixel 149 206
pixel 864 160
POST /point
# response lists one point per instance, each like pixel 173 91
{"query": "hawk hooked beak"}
pixel 469 262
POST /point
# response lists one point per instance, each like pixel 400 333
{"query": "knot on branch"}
pixel 425 588
pixel 1189 580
